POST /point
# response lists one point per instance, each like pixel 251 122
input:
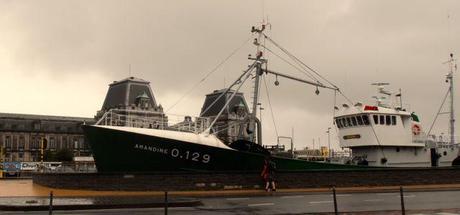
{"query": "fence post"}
pixel 401 193
pixel 166 202
pixel 335 201
pixel 51 203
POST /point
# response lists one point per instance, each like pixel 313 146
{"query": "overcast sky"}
pixel 58 57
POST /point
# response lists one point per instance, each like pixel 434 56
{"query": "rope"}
pixel 286 61
pixel 298 60
pixel 248 74
pixel 228 126
pixel 208 74
pixel 271 109
pixel 228 89
pixel 437 114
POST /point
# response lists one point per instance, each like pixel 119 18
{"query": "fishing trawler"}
pixel 386 134
pixel 133 134
pixel 140 137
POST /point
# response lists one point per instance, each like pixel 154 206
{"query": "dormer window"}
pixel 143 101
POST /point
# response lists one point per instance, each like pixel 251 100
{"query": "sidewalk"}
pixel 25 188
pixel 411 188
pixel 84 203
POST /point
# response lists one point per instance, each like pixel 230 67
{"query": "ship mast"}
pixel 450 79
pixel 260 70
pixel 259 64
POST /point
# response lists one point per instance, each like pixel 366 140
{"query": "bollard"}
pixel 51 203
pixel 335 201
pixel 401 193
pixel 166 202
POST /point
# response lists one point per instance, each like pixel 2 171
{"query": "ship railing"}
pixel 154 120
pixel 420 138
pixel 441 141
pixel 70 168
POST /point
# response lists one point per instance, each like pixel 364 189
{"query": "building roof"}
pixel 130 79
pixel 238 100
pixel 44 117
pixel 123 93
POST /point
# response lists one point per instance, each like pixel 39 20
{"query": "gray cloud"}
pixel 175 43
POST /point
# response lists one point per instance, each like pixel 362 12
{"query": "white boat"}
pixel 387 135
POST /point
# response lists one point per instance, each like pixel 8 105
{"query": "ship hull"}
pixel 123 151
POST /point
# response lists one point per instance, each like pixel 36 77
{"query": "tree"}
pixel 49 155
pixel 60 155
pixel 64 155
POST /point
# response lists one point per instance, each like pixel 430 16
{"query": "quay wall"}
pixel 182 181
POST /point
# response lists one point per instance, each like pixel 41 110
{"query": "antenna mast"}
pixel 450 79
pixel 259 63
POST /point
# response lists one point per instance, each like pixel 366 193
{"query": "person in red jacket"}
pixel 268 174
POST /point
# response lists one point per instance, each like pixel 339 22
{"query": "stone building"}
pixel 233 123
pixel 130 102
pixel 21 134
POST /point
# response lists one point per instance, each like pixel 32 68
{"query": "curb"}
pixel 193 203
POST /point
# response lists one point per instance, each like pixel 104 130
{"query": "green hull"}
pixel 121 151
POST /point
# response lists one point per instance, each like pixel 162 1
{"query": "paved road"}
pixel 433 202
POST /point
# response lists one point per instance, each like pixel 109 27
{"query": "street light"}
pixel 329 142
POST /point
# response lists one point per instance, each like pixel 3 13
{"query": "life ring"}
pixel 416 129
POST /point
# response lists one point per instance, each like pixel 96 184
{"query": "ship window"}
pixel 337 122
pixel 344 123
pixel 366 120
pixel 382 120
pixel 348 121
pixel 353 120
pixel 388 119
pixel 360 120
pixel 393 120
pixel 376 119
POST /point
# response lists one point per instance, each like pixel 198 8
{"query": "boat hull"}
pixel 122 151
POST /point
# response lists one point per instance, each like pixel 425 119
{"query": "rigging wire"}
pixel 209 73
pixel 344 96
pixel 291 64
pixel 437 114
pixel 298 60
pixel 229 88
pixel 229 126
pixel 270 105
pixel 248 74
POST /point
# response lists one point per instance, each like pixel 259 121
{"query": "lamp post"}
pixel 329 142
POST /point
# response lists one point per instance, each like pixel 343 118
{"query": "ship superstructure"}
pixel 385 134
pixel 381 135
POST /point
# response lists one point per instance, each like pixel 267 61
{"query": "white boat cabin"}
pixel 388 136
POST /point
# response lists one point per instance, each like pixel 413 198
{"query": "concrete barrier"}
pixel 184 181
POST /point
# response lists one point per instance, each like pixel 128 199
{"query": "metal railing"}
pixel 154 120
pixel 440 141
